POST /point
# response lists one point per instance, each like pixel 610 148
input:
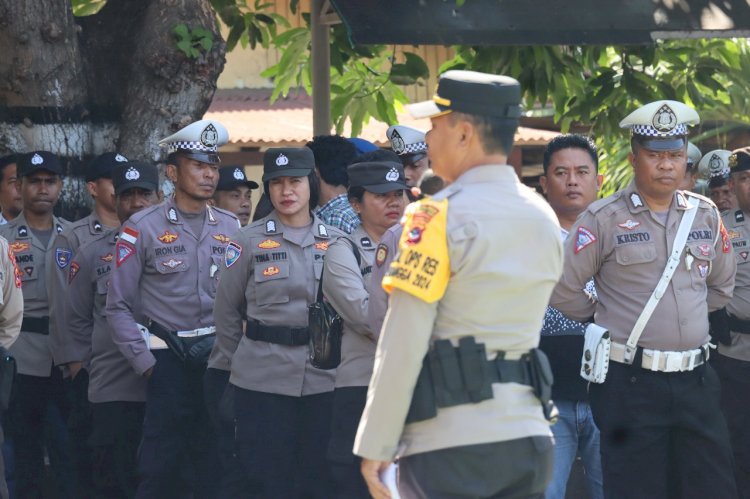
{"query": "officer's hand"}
pixel 148 372
pixel 74 368
pixel 371 471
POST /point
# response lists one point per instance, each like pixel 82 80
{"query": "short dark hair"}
pixel 314 189
pixel 496 134
pixel 356 193
pixel 6 160
pixel 570 141
pixel 333 153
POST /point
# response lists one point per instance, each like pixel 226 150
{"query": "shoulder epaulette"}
pixel 600 204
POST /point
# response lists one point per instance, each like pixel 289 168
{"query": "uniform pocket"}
pixel 632 254
pixel 174 273
pixel 271 283
pixel 702 255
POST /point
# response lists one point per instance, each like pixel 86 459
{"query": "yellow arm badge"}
pixel 422 267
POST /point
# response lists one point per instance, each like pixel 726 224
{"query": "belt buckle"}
pixel 673 361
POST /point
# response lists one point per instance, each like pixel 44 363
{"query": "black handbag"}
pixel 326 329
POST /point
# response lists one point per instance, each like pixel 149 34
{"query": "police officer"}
pixel 116 393
pixel 733 360
pixel 168 257
pixel 11 317
pixel 658 409
pixel 461 280
pixel 11 203
pixel 234 192
pixel 691 172
pixel 376 192
pixel 716 164
pixel 409 143
pixel 273 266
pixel 102 218
pixel 38 390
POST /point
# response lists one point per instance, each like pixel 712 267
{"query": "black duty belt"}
pixel 281 335
pixel 736 325
pixel 38 325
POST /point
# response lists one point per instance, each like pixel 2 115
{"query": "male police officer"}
pixel 733 361
pixel 662 433
pixel 234 192
pixel 168 256
pixel 11 203
pixel 716 164
pixel 460 288
pixel 116 393
pixel 37 384
pixel 691 172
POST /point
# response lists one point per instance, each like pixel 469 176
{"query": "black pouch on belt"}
pixel 446 375
pixel 474 368
pixel 541 380
pixel 423 404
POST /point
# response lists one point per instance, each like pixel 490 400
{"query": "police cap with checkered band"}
pixel 378 177
pixel 199 141
pixel 714 165
pixel 407 142
pixel 661 125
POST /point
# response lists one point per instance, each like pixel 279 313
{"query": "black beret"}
pixel 233 176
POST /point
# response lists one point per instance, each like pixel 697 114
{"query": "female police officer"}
pixel 376 192
pixel 282 404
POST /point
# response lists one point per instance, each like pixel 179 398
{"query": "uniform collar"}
pixel 95 226
pixel 21 230
pixel 637 204
pixel 172 214
pixel 362 239
pixel 318 230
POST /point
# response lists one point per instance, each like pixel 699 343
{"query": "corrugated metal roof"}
pixel 253 122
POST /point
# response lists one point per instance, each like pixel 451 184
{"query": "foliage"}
pixel 193 42
pixel 82 8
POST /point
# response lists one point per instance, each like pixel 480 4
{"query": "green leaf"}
pixel 181 30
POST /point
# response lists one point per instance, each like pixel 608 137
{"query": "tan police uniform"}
pixel 658 409
pixel 282 404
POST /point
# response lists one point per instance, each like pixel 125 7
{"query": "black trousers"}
pixel 79 427
pixel 662 434
pixel 116 431
pixel 178 455
pixel 234 482
pixel 735 404
pixel 37 419
pixel 519 468
pixel 282 442
pixel 348 404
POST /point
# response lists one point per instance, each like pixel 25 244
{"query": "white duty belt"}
pixel 155 343
pixel 663 360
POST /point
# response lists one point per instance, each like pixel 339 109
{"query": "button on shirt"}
pixel 624 246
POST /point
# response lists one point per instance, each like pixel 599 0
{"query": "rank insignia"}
pixel 322 231
pixel 172 215
pixel 272 270
pixel 681 202
pixel 221 238
pixel 323 246
pixel 635 200
pixel 129 235
pixel 703 269
pixel 23 231
pixel 629 224
pixel 584 237
pixel 124 251
pixel 232 254
pixel 74 268
pixel 270 226
pixel 365 242
pixel 269 244
pixel 97 226
pixel 18 246
pixel 62 257
pixel 381 254
pixel 106 258
pixel 211 217
pixel 59 228
pixel 168 237
pixel 739 216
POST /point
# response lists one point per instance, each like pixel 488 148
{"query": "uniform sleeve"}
pixel 581 261
pixel 378 302
pixel 398 360
pixel 343 286
pixel 230 304
pixel 57 280
pixel 80 308
pixel 11 309
pixel 720 282
pixel 122 299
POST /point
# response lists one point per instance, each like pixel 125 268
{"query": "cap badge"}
pixel 121 159
pixel 37 160
pixel 397 143
pixel 132 174
pixel 238 175
pixel 392 175
pixel 715 163
pixel 282 160
pixel 664 119
pixel 209 136
pixel 732 161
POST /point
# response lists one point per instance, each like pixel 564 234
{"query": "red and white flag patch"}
pixel 584 237
pixel 129 235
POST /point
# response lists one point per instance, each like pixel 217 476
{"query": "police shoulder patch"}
pixel 62 257
pixel 124 251
pixel 232 254
pixel 381 254
pixel 584 237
